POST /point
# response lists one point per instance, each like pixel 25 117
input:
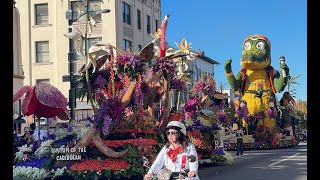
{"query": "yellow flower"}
pixel 184 47
pixel 156 35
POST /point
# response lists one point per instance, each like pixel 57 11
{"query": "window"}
pixel 126 13
pixel 148 25
pixel 93 6
pixel 200 74
pixel 42 51
pixel 126 44
pixel 139 47
pixel 42 81
pixel 138 19
pixel 41 14
pixel 91 42
pixel 156 24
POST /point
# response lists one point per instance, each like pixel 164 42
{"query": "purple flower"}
pixel 70 128
pixel 218 151
pixel 62 142
pixel 64 125
pixel 100 82
pixel 165 65
pixel 106 124
pixel 177 84
pixel 35 146
pixel 90 119
pixel 144 88
pixel 206 88
pixel 52 136
pixel 111 108
pixel 138 96
pixel 222 116
pixel 130 64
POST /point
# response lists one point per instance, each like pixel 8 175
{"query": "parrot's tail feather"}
pixel 21 92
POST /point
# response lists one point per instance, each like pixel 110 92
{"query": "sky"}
pixel 220 27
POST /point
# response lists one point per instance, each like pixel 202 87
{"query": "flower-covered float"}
pixel 256 85
pixel 123 130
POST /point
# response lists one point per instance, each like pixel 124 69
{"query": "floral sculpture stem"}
pixel 87 58
pixel 178 101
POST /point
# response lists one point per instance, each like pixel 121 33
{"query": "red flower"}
pixel 136 142
pixel 96 165
pixel 135 131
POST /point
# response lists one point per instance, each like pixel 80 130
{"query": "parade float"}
pixel 256 107
pixel 124 128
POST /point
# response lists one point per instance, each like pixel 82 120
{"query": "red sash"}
pixel 184 161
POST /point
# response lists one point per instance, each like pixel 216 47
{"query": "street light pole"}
pixel 71 60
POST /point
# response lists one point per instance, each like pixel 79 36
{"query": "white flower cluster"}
pixel 29 172
pixel 205 122
pixel 188 122
pixel 80 128
pixel 228 157
pixel 44 149
pixel 62 133
pixel 20 153
pixel 58 172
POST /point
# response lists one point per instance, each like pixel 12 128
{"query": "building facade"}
pixel 45 48
pixel 18 75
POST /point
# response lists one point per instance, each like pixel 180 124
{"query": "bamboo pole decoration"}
pixel 87 58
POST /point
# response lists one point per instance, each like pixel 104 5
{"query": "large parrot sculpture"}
pixel 257 81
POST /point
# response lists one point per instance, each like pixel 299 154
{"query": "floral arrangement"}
pixel 205 88
pixel 38 162
pixel 136 142
pixel 135 131
pixel 177 84
pixel 165 65
pixel 29 172
pixel 109 111
pixel 222 116
pixel 130 65
pixel 191 108
pixel 98 165
pixel 20 154
pixel 44 149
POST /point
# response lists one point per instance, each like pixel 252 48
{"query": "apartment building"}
pixel 44 48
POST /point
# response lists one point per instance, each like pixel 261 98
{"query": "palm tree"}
pixel 291 82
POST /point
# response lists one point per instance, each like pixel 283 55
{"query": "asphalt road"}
pixel 276 164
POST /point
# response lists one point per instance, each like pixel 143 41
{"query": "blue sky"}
pixel 219 28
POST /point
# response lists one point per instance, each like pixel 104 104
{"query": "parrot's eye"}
pixel 247 46
pixel 260 45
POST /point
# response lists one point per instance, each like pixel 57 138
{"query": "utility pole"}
pixel 71 60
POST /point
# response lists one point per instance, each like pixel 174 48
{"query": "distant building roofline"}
pixel 201 55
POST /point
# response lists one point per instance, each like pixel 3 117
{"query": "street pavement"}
pixel 275 164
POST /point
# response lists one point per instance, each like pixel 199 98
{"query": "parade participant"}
pixel 174 155
pixel 239 141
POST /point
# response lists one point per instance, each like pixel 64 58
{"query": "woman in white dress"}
pixel 174 156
